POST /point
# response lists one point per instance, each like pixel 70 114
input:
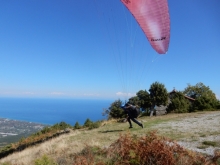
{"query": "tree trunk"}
pixel 152 110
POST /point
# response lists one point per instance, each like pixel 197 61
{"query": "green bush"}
pixel 209 143
pixel 179 104
pixel 205 99
pixel 44 160
pixel 6 148
pixel 218 104
pixel 87 123
pixel 46 130
pixel 115 111
pixel 95 125
pixel 77 125
pixel 61 126
pixel 150 149
pixel 6 163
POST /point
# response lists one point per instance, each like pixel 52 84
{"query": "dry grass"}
pixel 63 148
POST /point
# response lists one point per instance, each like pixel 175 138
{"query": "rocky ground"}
pixel 199 132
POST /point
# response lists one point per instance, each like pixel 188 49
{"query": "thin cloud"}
pixel 57 93
pixel 28 93
pixel 91 94
pixel 125 94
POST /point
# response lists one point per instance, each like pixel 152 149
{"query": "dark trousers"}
pixel 134 120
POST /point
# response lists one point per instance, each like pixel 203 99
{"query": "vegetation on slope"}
pixel 112 143
pixel 45 134
pixel 36 138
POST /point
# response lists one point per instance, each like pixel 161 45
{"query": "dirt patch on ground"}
pixel 199 132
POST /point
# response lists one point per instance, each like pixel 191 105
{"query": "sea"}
pixel 52 111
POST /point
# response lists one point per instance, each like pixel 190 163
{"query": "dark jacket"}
pixel 132 111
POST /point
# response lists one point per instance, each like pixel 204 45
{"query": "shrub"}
pixel 6 163
pixel 45 134
pixel 87 123
pixel 209 143
pixel 45 130
pixel 44 160
pixel 150 149
pixel 115 111
pixel 95 125
pixel 205 99
pixel 77 125
pixel 61 126
pixel 179 103
pixel 218 105
pixel 6 148
pixel 89 155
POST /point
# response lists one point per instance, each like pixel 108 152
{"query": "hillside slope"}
pixel 190 130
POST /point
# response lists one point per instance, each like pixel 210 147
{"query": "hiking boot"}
pixel 142 125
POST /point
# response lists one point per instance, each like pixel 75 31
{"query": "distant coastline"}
pixel 21 117
pixel 7 134
pixel 12 130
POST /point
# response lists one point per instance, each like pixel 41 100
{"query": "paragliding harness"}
pixel 133 111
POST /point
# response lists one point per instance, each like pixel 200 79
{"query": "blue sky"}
pixel 95 49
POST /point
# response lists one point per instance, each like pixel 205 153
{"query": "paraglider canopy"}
pixel 153 18
pixel 124 23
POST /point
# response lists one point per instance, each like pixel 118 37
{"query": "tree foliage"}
pixel 205 99
pixel 144 99
pixel 158 94
pixel 87 123
pixel 94 125
pixel 134 101
pixel 218 104
pixel 204 103
pixel 198 91
pixel 77 125
pixel 44 160
pixel 115 110
pixel 179 103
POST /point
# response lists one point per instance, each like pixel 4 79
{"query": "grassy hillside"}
pixel 115 143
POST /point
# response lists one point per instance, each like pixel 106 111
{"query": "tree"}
pixel 87 123
pixel 178 103
pixel 77 125
pixel 96 124
pixel 144 99
pixel 198 90
pixel 218 104
pixel 115 110
pixel 158 94
pixel 134 101
pixel 205 99
pixel 204 103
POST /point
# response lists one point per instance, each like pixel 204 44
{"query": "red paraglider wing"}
pixel 153 18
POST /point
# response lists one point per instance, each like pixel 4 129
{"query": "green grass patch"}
pixel 202 135
pixel 202 147
pixel 210 143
